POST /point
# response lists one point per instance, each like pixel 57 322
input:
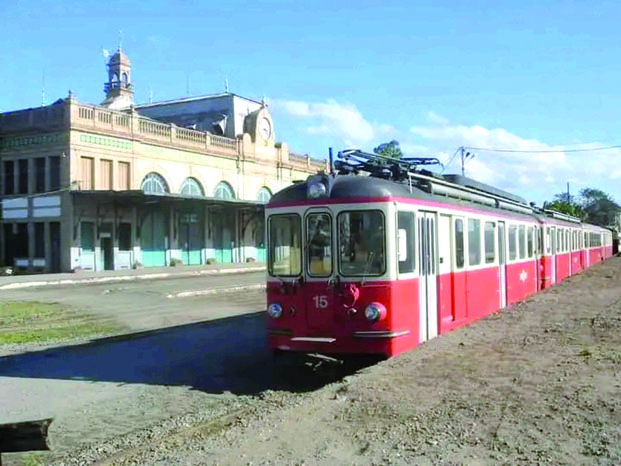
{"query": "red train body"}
pixel 364 265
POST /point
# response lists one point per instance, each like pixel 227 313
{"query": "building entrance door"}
pixel 153 239
pixel 190 238
pixel 223 223
pixel 108 253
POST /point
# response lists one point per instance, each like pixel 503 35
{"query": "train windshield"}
pixel 361 243
pixel 319 244
pixel 285 251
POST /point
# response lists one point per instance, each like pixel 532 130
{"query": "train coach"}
pixel 382 261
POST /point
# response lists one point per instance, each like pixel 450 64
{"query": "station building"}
pixel 118 185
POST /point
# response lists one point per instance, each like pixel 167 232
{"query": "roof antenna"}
pixel 226 85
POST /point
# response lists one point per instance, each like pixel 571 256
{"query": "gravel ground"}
pixel 538 383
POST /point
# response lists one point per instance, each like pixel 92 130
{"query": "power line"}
pixel 450 160
pixel 489 149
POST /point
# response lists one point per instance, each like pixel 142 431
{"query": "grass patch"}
pixel 35 322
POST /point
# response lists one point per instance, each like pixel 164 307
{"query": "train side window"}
pixel 405 241
pixel 559 242
pixel 586 240
pixel 522 243
pixel 512 242
pixel 530 242
pixel 548 241
pixel 459 243
pixel 567 242
pixel 474 241
pixel 490 242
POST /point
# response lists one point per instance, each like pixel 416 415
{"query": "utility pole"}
pixel 463 170
pixel 568 197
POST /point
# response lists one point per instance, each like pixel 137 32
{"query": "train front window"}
pixel 319 244
pixel 285 251
pixel 361 243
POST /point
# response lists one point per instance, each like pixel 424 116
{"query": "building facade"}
pixel 117 185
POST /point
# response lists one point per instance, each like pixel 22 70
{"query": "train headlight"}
pixel 375 312
pixel 316 189
pixel 274 310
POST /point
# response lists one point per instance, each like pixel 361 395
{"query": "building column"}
pixel 31 176
pixel 136 256
pixel 15 176
pixel 172 240
pixel 48 175
pixel 47 246
pixel 31 244
pixel 2 242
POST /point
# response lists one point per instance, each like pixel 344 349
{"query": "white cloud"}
pixel 526 173
pixel 333 118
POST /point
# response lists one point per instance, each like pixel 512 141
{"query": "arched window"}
pixel 191 187
pixel 264 195
pixel 154 183
pixel 224 191
pixel 125 79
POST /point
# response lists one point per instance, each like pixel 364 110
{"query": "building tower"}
pixel 119 89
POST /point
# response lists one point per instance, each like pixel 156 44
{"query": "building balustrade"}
pixel 72 114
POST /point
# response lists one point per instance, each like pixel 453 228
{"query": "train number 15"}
pixel 321 301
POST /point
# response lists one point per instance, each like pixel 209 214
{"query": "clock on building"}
pixel 265 128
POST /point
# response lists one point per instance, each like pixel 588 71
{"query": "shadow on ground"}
pixel 221 355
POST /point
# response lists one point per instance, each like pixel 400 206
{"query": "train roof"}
pixel 453 190
pixel 389 177
pixel 357 188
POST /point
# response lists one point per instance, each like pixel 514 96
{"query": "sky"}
pixel 433 75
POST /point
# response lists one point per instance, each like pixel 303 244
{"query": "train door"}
pixel 445 276
pixel 553 255
pixel 587 253
pixel 319 241
pixel 428 318
pixel 502 265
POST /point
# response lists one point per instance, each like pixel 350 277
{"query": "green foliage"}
pixel 593 206
pixel 568 208
pixel 389 149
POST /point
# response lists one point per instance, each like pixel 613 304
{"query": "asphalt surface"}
pixel 180 347
pixel 151 304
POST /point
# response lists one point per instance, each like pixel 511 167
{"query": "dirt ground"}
pixel 537 383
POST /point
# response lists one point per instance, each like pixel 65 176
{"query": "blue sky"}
pixel 433 75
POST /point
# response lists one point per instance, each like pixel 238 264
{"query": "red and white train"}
pixel 380 264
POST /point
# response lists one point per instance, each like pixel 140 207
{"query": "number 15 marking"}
pixel 321 301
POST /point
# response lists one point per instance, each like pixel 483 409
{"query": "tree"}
pixel 593 206
pixel 565 203
pixel 389 149
pixel 599 207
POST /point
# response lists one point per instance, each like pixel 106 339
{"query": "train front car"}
pixel 331 273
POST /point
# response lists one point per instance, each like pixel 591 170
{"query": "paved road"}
pixel 150 304
pixel 112 386
pixel 213 343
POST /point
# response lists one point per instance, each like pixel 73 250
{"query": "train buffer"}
pixel 24 436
